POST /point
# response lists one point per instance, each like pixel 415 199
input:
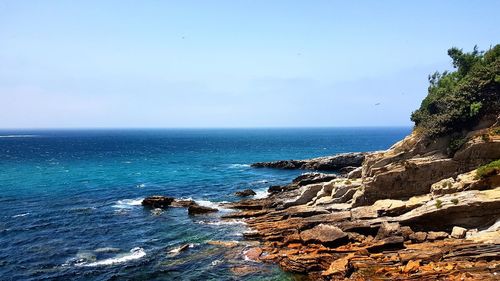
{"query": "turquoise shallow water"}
pixel 70 199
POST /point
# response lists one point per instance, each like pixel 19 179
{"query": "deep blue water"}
pixel 69 199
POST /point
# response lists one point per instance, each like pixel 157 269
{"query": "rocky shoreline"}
pixel 414 212
pixel 417 211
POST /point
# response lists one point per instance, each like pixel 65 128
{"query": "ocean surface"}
pixel 70 199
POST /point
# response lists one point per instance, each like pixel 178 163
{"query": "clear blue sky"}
pixel 71 64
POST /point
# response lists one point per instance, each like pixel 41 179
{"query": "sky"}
pixel 236 63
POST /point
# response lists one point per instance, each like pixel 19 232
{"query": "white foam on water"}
pixel 18 136
pixel 229 222
pixel 178 249
pixel 20 215
pixel 259 181
pixel 135 253
pixel 128 203
pixel 236 166
pixel 261 193
pixel 216 262
pixel 107 250
pixel 210 204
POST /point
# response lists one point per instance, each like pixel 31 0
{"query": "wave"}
pixel 19 136
pixel 181 248
pixel 259 182
pixel 20 215
pixel 107 250
pixel 228 222
pixel 261 193
pixel 135 253
pixel 128 203
pixel 236 166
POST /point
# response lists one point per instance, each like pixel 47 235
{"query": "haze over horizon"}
pixel 113 64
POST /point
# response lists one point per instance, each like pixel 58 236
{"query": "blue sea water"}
pixel 70 199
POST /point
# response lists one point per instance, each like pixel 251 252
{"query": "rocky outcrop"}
pixel 462 182
pixel 157 201
pixel 245 193
pixel 411 214
pixel 328 163
pixel 416 165
pixel 199 210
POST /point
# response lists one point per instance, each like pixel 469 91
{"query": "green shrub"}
pixel 495 131
pixel 457 100
pixel 454 201
pixel 474 108
pixel 439 204
pixel 487 170
pixel 456 143
pixel 347 182
pixel 485 137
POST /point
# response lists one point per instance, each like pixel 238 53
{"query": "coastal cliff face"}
pixel 415 211
pixel 410 167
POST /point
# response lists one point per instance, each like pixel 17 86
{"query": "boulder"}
pixel 157 201
pixel 197 209
pixel 458 232
pixel 356 173
pixel 325 234
pixel 245 193
pixel 275 189
pixel 436 235
pixel 418 237
pixel 388 229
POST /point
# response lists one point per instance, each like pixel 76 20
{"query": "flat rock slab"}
pixel 327 163
pixel 325 234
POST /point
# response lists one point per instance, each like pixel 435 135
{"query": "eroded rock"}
pixel 245 193
pixel 157 201
pixel 198 210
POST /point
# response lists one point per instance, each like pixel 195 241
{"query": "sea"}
pixel 70 200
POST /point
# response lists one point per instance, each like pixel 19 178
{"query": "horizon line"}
pixel 209 128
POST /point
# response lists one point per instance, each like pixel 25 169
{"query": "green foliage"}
pixel 487 170
pixel 454 201
pixel 446 184
pixel 456 143
pixel 439 204
pixel 485 137
pixel 475 107
pixel 457 100
pixel 495 131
